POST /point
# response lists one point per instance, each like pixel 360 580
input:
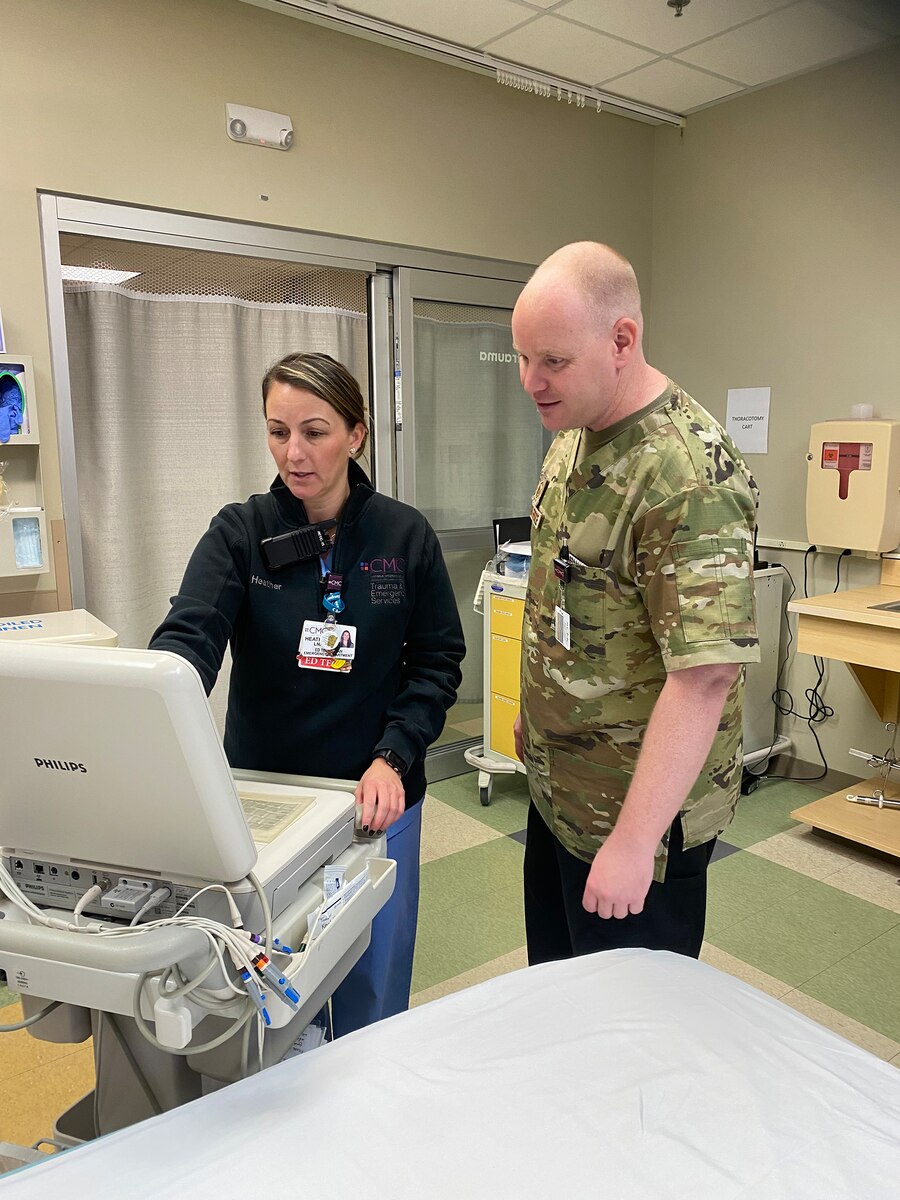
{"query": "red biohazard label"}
pixel 845 458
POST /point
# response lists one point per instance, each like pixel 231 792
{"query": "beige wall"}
pixel 776 244
pixel 125 100
pixel 773 221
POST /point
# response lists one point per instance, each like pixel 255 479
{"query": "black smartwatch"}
pixel 393 760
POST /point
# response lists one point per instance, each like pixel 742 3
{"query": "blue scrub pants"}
pixel 378 986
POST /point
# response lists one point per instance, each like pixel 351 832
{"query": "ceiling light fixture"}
pixel 323 12
pixel 96 275
pixel 678 5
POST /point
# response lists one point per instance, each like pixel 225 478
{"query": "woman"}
pixel 289 710
pixel 344 646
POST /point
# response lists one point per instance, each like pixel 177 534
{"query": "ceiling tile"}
pixel 466 22
pixel 783 43
pixel 673 86
pixel 653 24
pixel 560 48
pixel 883 15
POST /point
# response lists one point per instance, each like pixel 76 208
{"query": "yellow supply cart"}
pixel 504 611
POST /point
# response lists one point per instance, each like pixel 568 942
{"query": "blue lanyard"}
pixel 331 601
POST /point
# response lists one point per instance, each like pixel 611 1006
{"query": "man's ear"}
pixel 625 336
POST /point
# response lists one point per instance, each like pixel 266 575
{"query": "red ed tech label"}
pixel 845 458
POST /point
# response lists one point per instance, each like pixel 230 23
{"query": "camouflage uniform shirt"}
pixel 657 514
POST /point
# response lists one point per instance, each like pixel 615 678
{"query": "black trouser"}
pixel 556 925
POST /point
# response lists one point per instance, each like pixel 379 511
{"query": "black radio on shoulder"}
pixel 298 545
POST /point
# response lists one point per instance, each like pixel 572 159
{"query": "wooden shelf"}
pixel 845 626
pixel 875 827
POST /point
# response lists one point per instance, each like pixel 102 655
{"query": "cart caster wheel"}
pixel 485 794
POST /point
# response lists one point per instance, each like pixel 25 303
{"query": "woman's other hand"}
pixel 381 796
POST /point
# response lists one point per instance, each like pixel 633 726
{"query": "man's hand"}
pixel 517 738
pixel 619 879
pixel 381 797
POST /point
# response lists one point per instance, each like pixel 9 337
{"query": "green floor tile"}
pixel 455 937
pixel 478 871
pixel 766 811
pixel 6 996
pixel 743 884
pixel 865 985
pixel 508 810
pixel 803 934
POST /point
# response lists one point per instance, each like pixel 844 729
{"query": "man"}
pixel 638 618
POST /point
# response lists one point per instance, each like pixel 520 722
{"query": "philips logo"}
pixel 57 764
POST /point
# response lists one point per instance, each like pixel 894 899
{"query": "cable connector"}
pixel 90 896
pixel 236 919
pixel 256 994
pixel 160 896
pixel 264 968
pixel 278 945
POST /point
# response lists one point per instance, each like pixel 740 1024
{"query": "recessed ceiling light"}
pixel 96 275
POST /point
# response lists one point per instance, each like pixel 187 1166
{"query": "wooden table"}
pixel 845 626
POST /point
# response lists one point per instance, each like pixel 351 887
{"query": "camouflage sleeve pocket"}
pixel 714 590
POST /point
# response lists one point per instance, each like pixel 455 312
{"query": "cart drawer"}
pixel 503 713
pixel 506 657
pixel 507 614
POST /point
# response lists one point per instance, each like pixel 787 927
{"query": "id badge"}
pixel 327 646
pixel 562 627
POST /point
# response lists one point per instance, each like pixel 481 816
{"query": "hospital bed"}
pixel 632 1075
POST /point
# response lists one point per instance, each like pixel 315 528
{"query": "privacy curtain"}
pixel 168 425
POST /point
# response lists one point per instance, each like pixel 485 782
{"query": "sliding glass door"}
pixel 469 446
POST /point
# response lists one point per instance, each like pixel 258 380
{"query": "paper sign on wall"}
pixel 747 419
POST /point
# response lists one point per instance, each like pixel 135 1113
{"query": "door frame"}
pixel 396 273
pixel 61 213
pixel 411 284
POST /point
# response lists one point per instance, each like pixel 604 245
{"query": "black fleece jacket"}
pixel 409 640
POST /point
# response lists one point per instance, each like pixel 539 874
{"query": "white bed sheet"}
pixel 629 1075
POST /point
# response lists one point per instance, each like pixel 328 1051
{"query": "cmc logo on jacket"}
pixel 57 764
pixel 387 584
pixel 387 566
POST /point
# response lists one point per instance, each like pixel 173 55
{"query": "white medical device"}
pixel 117 803
pixel 113 771
pixel 853 485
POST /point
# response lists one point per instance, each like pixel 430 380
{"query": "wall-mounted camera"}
pixel 259 127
